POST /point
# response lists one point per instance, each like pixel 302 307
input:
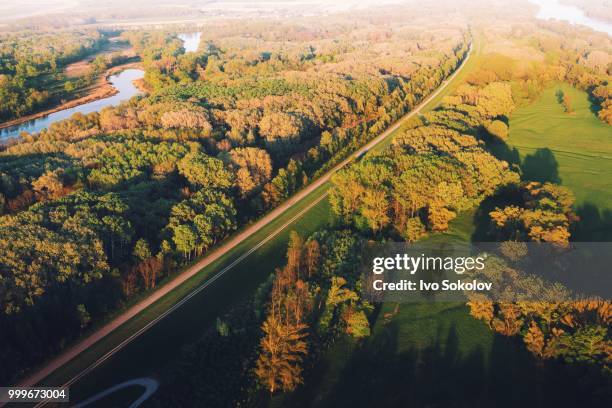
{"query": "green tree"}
pixel 142 251
pixel 205 171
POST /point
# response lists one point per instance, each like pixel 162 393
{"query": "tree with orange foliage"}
pixel 279 366
pixel 555 327
pixel 283 347
pixel 544 216
pixel 294 253
pixel 312 257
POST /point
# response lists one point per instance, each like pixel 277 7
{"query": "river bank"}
pixel 102 89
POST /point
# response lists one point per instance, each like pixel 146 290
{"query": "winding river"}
pixel 552 10
pixel 122 81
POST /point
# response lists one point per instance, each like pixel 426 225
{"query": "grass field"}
pixel 573 149
pixel 437 354
pixel 408 338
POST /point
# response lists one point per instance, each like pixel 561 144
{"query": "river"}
pixel 122 81
pixel 549 9
pixel 191 41
pixel 552 10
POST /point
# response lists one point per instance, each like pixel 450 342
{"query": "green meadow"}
pixel 573 149
pixel 432 354
pixel 436 354
pixel 429 354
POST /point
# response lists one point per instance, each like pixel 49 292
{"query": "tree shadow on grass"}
pixel 504 196
pixel 501 151
pixel 541 166
pixel 544 383
pixel 379 374
pixel 594 225
pixel 437 375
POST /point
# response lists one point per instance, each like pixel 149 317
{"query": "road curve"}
pixel 150 386
pixel 215 254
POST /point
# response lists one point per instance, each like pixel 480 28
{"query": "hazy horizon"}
pixel 35 8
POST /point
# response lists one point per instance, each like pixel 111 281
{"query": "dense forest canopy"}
pixel 100 208
pixel 118 199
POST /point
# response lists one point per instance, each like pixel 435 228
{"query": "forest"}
pixel 107 205
pixel 439 165
pixel 99 210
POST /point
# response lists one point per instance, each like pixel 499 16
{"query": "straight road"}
pixel 214 255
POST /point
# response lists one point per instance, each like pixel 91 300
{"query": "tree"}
pixel 142 250
pixel 374 208
pixel 185 239
pixel 482 309
pixel 128 282
pixel 439 217
pixel 357 324
pixel 282 351
pixel 605 113
pixel 338 293
pixel 69 86
pixel 205 171
pixel 49 185
pixel 495 99
pixel 200 221
pixel 187 118
pixel 280 130
pixel 312 257
pixel 84 316
pixel 567 104
pixel 497 129
pixel 149 269
pixel 346 196
pixel 253 168
pixel 508 320
pixel 513 250
pixel 414 229
pixel 534 340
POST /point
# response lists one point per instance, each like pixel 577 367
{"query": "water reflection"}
pixel 191 41
pixel 123 82
pixel 551 9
